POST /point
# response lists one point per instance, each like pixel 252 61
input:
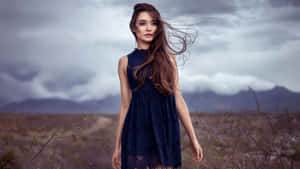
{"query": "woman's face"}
pixel 145 27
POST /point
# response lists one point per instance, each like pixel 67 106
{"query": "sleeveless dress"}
pixel 151 131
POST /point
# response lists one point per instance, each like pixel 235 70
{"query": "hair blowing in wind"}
pixel 158 55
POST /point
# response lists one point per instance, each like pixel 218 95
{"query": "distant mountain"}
pixel 3 101
pixel 56 105
pixel 49 105
pixel 277 99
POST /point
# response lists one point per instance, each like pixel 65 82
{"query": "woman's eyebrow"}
pixel 145 20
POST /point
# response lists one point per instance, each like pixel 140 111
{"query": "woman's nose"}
pixel 149 27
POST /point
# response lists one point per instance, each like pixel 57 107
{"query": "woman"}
pixel 148 134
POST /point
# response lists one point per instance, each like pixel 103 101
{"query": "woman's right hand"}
pixel 197 152
pixel 116 159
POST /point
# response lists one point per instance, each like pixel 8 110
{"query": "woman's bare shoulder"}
pixel 123 61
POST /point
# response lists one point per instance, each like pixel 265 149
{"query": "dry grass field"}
pixel 86 141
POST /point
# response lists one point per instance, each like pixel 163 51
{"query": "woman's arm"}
pixel 181 106
pixel 125 97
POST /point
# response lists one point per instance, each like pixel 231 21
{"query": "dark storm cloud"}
pixel 175 8
pixel 199 7
pixel 19 71
pixel 280 3
pixel 63 80
pixel 29 52
pixel 213 21
pixel 289 16
pixel 14 90
pixel 207 46
pixel 271 38
pixel 17 15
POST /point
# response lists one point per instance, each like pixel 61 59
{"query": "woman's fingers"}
pixel 119 162
pixel 195 155
pixel 114 164
pixel 116 160
pixel 199 154
pixel 201 150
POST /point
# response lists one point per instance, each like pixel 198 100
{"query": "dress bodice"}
pixel 135 58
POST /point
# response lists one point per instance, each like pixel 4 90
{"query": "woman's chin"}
pixel 147 40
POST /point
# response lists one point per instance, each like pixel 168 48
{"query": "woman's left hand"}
pixel 197 152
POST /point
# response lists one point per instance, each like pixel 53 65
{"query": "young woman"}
pixel 148 134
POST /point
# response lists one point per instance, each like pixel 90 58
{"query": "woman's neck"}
pixel 143 46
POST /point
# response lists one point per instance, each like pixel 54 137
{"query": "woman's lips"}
pixel 148 35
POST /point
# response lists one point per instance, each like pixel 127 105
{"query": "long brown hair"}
pixel 158 54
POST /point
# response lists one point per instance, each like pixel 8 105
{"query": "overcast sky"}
pixel 70 48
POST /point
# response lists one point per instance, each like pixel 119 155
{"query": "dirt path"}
pixel 102 122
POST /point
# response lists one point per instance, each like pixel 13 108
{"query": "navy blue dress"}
pixel 151 131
